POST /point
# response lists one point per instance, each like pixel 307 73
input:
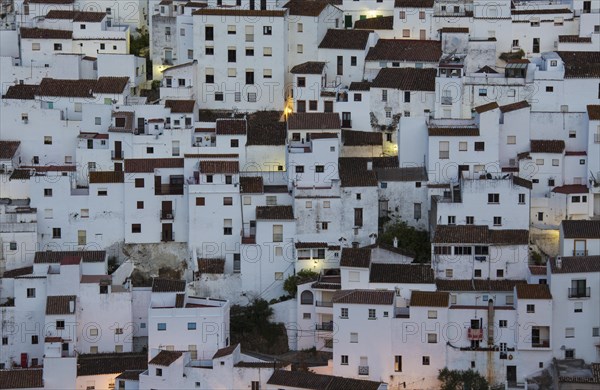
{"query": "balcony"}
pixel 324 304
pixel 579 292
pixel 167 214
pixel 363 370
pixel 116 155
pixel 475 334
pixel 580 252
pixel 326 326
pixel 540 343
pixel 168 189
pixel 248 240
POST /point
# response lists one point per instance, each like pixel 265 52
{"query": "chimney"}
pixel 395 242
pixel 558 262
pixel 71 306
pixel 490 327
pixel 369 165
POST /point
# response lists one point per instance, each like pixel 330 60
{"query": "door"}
pixel 167 232
pixel 422 35
pixel 340 65
pixel 536 45
pixel 90 144
pixel 167 209
pixel 511 374
pixel 118 167
pixel 587 7
pixel 358 217
pixel 141 125
pixel 118 150
pixel 348 21
pixel 301 106
pixel 579 248
pixel 24 360
pixel 347 120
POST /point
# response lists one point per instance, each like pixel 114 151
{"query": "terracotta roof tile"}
pixel 231 127
pixel 13 273
pixel 310 67
pixel 576 153
pixel 540 11
pixel 429 299
pixel 574 39
pixel 581 64
pixel 165 358
pixel 405 50
pixel 306 8
pixel 132 375
pixel 148 165
pixel 581 228
pixel 364 297
pixel 77 16
pixel 354 171
pixel 454 131
pixel 161 285
pixel 455 30
pixel 486 107
pixel 51 1
pixel 402 174
pixel 219 167
pixel 106 177
pixel 60 304
pixel 314 136
pixel 111 85
pixel 593 112
pixel 45 33
pixel 400 273
pixel 225 351
pixel 110 363
pixel 362 138
pixel 519 181
pixel 378 23
pixel 355 257
pixel 316 120
pixel 67 88
pixel 487 69
pixel 533 291
pixel 538 269
pixel 576 264
pixel 304 245
pixel 21 92
pixel 211 266
pixel 21 379
pixel 477 284
pixel 515 106
pixel 413 3
pixel 274 212
pixel 50 257
pixel 265 128
pixel 360 86
pixel 181 106
pixel 251 185
pixel 308 380
pixel 345 39
pixel 8 149
pixel 571 189
pixel 479 234
pixel 547 146
pixel 240 12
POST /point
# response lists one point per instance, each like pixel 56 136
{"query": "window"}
pixel 268 73
pixel 493 198
pixel 530 308
pixel 539 161
pixel 372 314
pixel 306 316
pixel 191 326
pixel 462 146
pixel 451 220
pixel 102 192
pixel 402 15
pixel 569 333
pixel 209 50
pixel 406 33
pixel 497 221
pixel 470 220
pixel 267 30
pixel 477 273
pixel 231 72
pixel 354 337
pixel 555 162
pixel 57 46
pixel 271 200
pixel 161 326
pixel 209 33
pixel 102 46
pixel 578 307
pixel 267 51
pixel 425 360
pixel 227 227
pixel 406 96
pixel 417 211
pixel 326 204
pixel 47 192
pixel 357 97
pixel 159 372
pixel 482 92
pixel 12 246
pixel 31 293
pixel 499 273
pixel 503 323
pixel 227 201
pixel 521 198
pixel 231 55
pixel 136 228
pixel 479 146
pixel 35 46
pixel 549 88
pixel 384 95
pixel 344 312
pixel 301 81
pixel 575 199
pixel 228 179
pixel 308 204
pixel 358 217
pixel 278 275
pixel 344 360
pixel 219 96
pixel 249 51
pixel 444 150
pixel 139 183
pixel 56 233
pixel 550 182
pixel 150 150
pixel 300 48
pixel 277 233
pixel 4 340
pixel 312 105
pixel 596 332
pixel 34 339
pixel 432 314
pixel 81 237
pixel 252 97
pixel 300 27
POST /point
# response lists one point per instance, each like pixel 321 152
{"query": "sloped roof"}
pixel 161 285
pixel 225 351
pixel 45 33
pixel 181 106
pixel 306 8
pixel 251 185
pixel 314 120
pixel 477 284
pixel 429 298
pixel 581 228
pixel 514 106
pixel 66 88
pixel 308 380
pixel 486 107
pixel 21 92
pixel 402 174
pixel 360 86
pixel 355 257
pixel 547 146
pixel 266 129
pixel 76 16
pixel 111 85
pixel 345 39
pixel 377 23
pixel 59 304
pixel 231 127
pixel 354 173
pixel 219 167
pixel 110 363
pixel 310 67
pixel 581 64
pixel 413 3
pixel 479 234
pixel 148 165
pixel 593 112
pixel 400 273
pixel 241 12
pixel 106 177
pixel 405 79
pixel 571 189
pixel 364 297
pixel 13 273
pixel 405 50
pixel 51 257
pixel 165 358
pixel 533 291
pixel 576 264
pixel 8 149
pixel 21 378
pixel 362 138
pixel 274 212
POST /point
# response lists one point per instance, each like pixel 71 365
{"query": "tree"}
pixel 412 240
pixel 462 380
pixel 290 285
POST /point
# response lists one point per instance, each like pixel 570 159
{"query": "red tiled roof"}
pixel 454 131
pixel 377 23
pixel 148 165
pixel 593 111
pixel 581 64
pixel 356 257
pixel 21 92
pixel 105 177
pixel 429 299
pixel 405 79
pixel 251 185
pixel 274 212
pixel 571 189
pixel 316 120
pixel 538 269
pixel 76 16
pixel 581 228
pixel 519 181
pixel 413 3
pixel 304 245
pixel 345 39
pixel 477 284
pixel 533 291
pixel 547 146
pixel 362 138
pixel 240 12
pixel 71 260
pixel 21 379
pixel 405 50
pixel 576 264
pixel 400 273
pixel 165 358
pixel 162 285
pixel 225 351
pixel 111 85
pixel 454 30
pixel 364 297
pixel 211 266
pixel 310 67
pixel 8 149
pixel 360 86
pixel 181 106
pixel 314 136
pixel 110 363
pixel 67 88
pixel 540 11
pixel 308 380
pixel 45 33
pixel 479 234
pixel 51 257
pixel 211 167
pixel 13 273
pixel 514 106
pixel 306 8
pixel 231 127
pixel 576 153
pixel 574 39
pixel 266 129
pixel 60 304
pixel 487 69
pixel 486 107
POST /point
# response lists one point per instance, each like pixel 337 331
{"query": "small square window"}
pixel 191 326
pixel 139 183
pixel 425 360
pixel 161 326
pixel 306 316
pixel 140 204
pixel 136 228
pixel 530 308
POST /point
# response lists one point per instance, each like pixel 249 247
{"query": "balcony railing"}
pixel 446 100
pixel 540 343
pixel 169 189
pixel 579 292
pixel 327 326
pixel 580 252
pixel 167 214
pixel 249 240
pixel 324 304
pixel 475 334
pixel 116 154
pixel 363 370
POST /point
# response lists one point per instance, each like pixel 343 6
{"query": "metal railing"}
pixel 580 252
pixel 363 370
pixel 327 326
pixel 167 214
